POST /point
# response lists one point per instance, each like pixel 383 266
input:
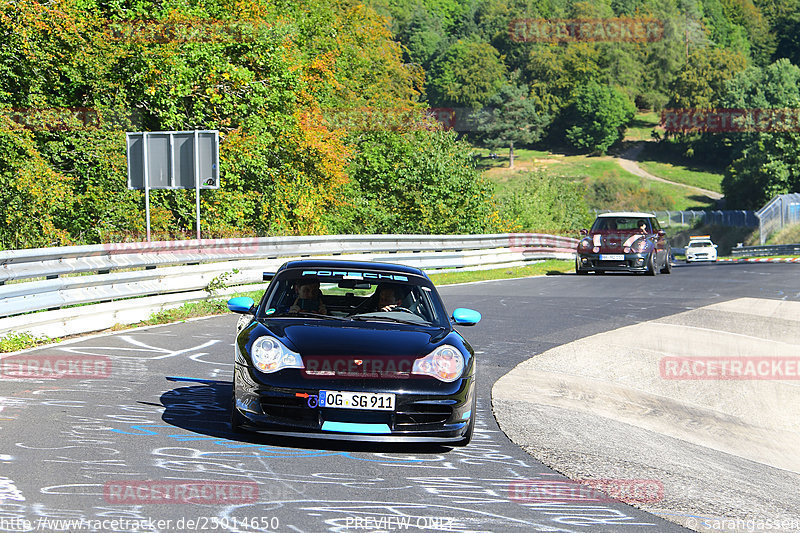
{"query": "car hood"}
pixel 357 339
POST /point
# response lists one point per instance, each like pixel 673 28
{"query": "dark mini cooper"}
pixel 354 351
pixel 632 242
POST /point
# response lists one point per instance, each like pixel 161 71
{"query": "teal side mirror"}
pixel 466 317
pixel 241 304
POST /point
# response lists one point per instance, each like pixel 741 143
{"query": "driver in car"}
pixel 309 298
pixel 388 298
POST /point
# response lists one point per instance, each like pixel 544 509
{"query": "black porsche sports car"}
pixel 353 351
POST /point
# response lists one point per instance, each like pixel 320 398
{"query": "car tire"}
pixel 651 265
pixel 667 267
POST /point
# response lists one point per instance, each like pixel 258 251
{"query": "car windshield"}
pixel 354 296
pixel 700 244
pixel 621 224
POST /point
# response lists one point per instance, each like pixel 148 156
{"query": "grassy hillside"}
pixel 641 129
pixel 788 235
pixel 606 184
pixel 669 167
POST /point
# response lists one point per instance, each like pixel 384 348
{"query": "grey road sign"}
pixel 173 159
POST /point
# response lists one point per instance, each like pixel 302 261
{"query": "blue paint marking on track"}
pixel 197 380
pixel 266 450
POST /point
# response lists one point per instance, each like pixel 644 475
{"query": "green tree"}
pixel 701 83
pixel 784 18
pixel 766 159
pixel 598 116
pixel 511 118
pixel 419 181
pixel 467 75
pixel 266 74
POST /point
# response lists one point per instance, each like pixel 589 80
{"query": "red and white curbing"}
pixel 763 260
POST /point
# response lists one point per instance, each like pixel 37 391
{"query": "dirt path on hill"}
pixel 628 161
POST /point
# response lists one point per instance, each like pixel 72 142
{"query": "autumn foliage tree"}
pixel 272 77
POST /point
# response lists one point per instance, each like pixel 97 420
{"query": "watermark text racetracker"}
pixel 178 491
pixel 622 29
pixel 730 120
pixel 730 368
pixel 68 366
pixel 54 118
pixel 587 490
pixel 193 31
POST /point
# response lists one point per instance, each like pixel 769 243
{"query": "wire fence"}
pixel 781 211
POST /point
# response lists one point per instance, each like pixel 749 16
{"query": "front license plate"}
pixel 372 401
pixel 612 257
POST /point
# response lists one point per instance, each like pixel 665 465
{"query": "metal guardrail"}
pixel 139 278
pixel 763 251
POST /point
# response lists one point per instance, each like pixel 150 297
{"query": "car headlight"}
pixel 445 363
pixel 585 245
pixel 640 245
pixel 269 355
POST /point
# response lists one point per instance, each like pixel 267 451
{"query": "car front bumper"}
pixel 419 415
pixel 627 263
pixel 704 256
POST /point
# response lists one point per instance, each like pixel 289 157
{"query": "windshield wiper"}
pixel 306 314
pixel 384 318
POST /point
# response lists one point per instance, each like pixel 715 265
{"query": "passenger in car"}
pixel 642 225
pixel 309 298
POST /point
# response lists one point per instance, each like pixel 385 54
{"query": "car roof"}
pixel 627 214
pixel 345 264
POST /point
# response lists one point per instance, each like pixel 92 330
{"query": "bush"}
pixel 547 204
pixel 421 181
pixel 615 193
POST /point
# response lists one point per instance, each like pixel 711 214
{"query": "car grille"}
pixel 290 408
pixel 422 414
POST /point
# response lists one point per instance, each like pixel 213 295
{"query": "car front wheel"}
pixel 667 266
pixel 651 265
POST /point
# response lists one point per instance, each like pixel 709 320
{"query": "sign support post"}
pixel 197 179
pixel 173 160
pixel 146 185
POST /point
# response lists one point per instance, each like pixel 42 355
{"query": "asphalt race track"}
pixel 115 452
